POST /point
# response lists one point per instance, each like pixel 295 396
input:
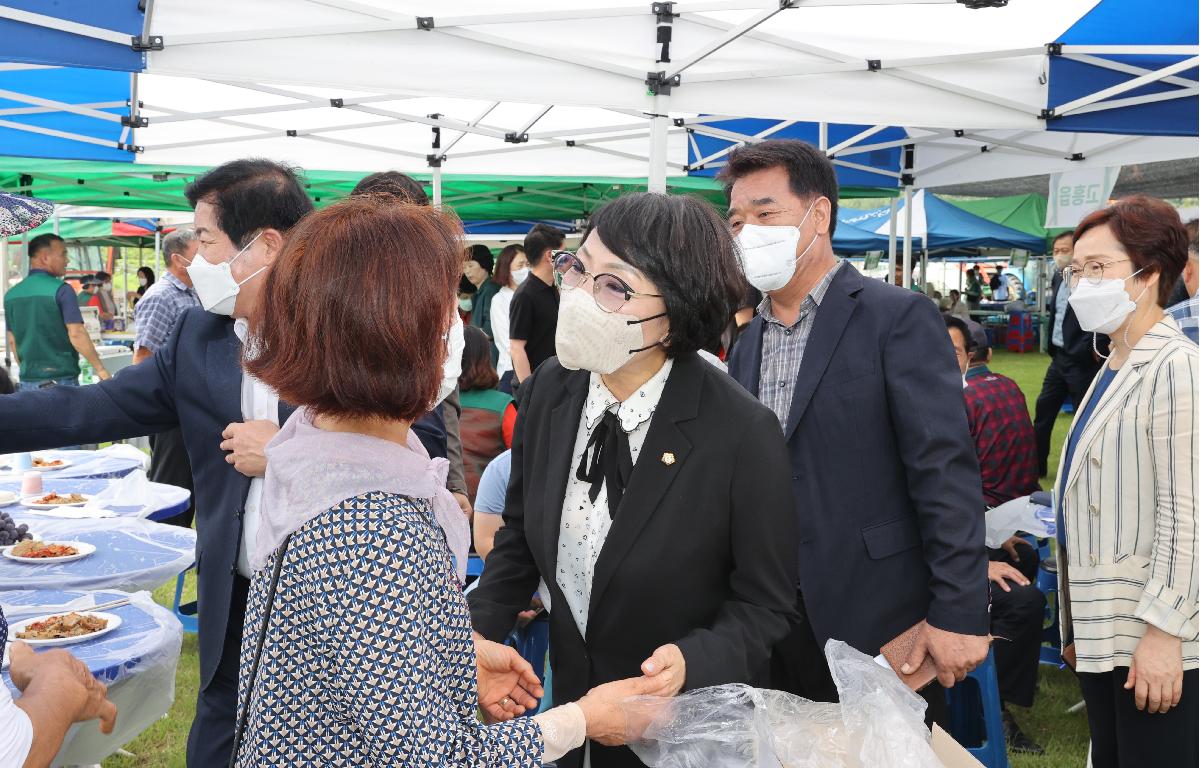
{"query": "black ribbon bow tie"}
pixel 611 463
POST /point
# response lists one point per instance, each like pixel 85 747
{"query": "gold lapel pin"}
pixel 668 458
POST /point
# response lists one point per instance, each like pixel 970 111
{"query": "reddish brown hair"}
pixel 353 312
pixel 502 274
pixel 477 370
pixel 1150 232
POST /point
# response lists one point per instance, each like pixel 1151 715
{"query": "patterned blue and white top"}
pixel 368 658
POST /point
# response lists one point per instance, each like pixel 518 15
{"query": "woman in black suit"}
pixel 649 491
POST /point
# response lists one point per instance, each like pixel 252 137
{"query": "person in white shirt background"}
pixel 511 270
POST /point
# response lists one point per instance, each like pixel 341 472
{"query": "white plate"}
pixel 8 497
pixel 65 463
pixel 114 621
pixel 84 548
pixel 28 501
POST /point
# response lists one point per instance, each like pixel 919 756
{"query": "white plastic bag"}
pixel 878 724
pixel 1017 515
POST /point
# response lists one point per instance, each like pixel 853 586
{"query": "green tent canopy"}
pixel 472 197
pixel 1025 213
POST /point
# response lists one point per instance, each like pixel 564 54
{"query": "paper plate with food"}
pixel 64 628
pixel 39 552
pixel 9 497
pixel 49 464
pixel 54 500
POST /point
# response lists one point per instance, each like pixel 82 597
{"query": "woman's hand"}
pixel 666 671
pixel 1156 671
pixel 507 684
pixel 607 720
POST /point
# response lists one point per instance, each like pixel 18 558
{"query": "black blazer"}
pixel 884 471
pixel 702 552
pixel 195 382
pixel 1077 343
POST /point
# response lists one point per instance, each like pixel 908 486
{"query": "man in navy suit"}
pixel 244 210
pixel 868 393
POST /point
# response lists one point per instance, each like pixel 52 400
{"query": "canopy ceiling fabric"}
pixel 527 198
pixel 1157 106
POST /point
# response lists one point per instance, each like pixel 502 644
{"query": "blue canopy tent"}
pixel 1127 67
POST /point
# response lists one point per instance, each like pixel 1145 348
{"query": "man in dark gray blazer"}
pixel 869 396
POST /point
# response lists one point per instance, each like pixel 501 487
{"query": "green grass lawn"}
pixel 1047 722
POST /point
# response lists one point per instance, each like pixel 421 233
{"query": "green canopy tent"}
pixel 471 197
pixel 1026 213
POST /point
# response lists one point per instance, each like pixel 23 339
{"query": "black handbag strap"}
pixel 240 731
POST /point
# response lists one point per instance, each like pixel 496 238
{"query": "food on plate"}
pixel 67 625
pixel 58 498
pixel 40 463
pixel 10 532
pixel 40 549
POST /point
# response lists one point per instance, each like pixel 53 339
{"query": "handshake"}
pixel 508 687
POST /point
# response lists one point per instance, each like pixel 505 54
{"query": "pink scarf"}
pixel 310 470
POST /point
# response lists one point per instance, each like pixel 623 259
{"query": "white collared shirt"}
pixel 259 402
pixel 584 527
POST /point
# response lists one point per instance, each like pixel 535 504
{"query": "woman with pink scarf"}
pixel 358 647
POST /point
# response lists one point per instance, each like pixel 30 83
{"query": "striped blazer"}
pixel 1129 506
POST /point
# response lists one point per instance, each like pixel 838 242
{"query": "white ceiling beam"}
pixel 962 90
pixel 704 161
pixel 57 134
pixel 363 145
pixel 868 133
pixel 867 168
pixel 1128 85
pixel 566 57
pixel 62 25
pixel 60 106
pixel 43 110
pixel 479 119
pixel 1133 101
pixel 727 37
pixel 1032 149
pixel 524 129
pixel 93 184
pixel 590 130
pixel 1129 69
pixel 1133 50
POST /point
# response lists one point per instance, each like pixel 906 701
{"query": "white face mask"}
pixel 466 303
pixel 768 254
pixel 452 367
pixel 591 339
pixel 520 275
pixel 1102 307
pixel 142 281
pixel 214 283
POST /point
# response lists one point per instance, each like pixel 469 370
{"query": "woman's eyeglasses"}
pixel 610 291
pixel 1092 271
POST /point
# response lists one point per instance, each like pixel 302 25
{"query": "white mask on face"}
pixel 452 367
pixel 1102 307
pixel 520 275
pixel 768 254
pixel 465 303
pixel 142 281
pixel 591 339
pixel 214 283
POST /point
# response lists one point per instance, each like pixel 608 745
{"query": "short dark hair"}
pixel 147 273
pixel 539 239
pixel 683 246
pixel 957 324
pixel 477 370
pixel 42 242
pixel 810 172
pixel 502 274
pixel 1060 236
pixel 103 276
pixel 392 183
pixel 251 195
pixel 1193 233
pixel 382 272
pixel 481 255
pixel 1151 233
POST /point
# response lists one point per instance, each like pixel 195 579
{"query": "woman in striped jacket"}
pixel 1127 493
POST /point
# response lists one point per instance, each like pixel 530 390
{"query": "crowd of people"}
pixel 357 399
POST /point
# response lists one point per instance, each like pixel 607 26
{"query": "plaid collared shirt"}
pixel 1187 314
pixel 1005 444
pixel 156 313
pixel 783 348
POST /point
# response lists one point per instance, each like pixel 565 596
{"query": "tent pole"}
pixel 1043 305
pixel 56 222
pixel 656 176
pixel 891 273
pixel 924 267
pixel 437 185
pixel 907 275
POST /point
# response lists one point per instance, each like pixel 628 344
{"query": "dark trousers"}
pixel 169 464
pixel 210 741
pixel 506 382
pixel 1017 617
pixel 798 666
pixel 1124 737
pixel 1064 378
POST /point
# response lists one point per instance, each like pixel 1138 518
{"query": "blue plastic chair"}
pixel 533 643
pixel 186 612
pixel 975 720
pixel 1047 582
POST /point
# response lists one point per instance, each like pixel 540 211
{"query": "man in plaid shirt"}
pixel 1007 448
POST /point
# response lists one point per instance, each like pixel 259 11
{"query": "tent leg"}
pixel 656 175
pixel 437 185
pixel 891 269
pixel 907 276
pixel 1043 306
pixel 924 267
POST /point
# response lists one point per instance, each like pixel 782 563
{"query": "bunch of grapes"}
pixel 10 532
